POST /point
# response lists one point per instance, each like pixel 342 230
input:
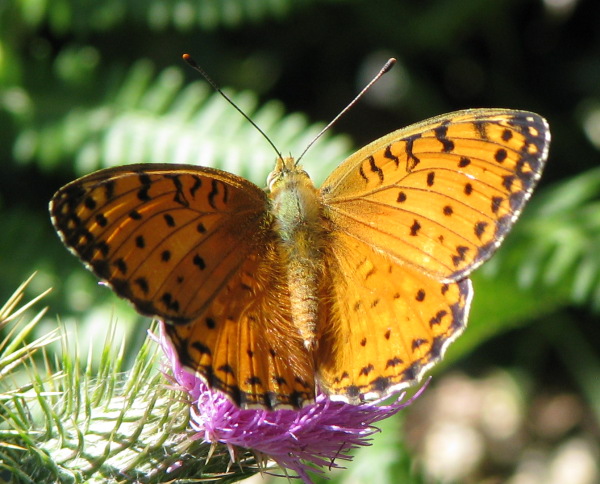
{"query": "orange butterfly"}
pixel 355 288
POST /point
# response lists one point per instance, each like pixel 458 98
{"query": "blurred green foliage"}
pixel 85 85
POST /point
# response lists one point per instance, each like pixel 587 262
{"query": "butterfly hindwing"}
pixel 387 323
pixel 245 343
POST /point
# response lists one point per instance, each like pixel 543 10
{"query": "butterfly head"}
pixel 286 171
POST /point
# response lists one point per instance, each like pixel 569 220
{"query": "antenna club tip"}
pixel 188 59
pixel 389 64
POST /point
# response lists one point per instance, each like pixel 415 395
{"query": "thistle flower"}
pixel 303 441
pixel 65 421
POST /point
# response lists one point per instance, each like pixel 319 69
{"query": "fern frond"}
pixel 64 17
pixel 157 119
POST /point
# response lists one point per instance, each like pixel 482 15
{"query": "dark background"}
pixel 84 85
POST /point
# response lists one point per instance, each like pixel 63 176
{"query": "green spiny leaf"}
pixel 73 426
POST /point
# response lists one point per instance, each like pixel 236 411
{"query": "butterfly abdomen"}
pixel 297 210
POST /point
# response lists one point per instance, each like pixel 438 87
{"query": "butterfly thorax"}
pixel 298 222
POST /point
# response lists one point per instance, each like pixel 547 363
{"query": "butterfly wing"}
pixel 411 215
pixel 194 246
pixel 245 343
pixel 387 323
pixel 442 194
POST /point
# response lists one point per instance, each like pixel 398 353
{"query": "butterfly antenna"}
pixel 192 63
pixel 386 68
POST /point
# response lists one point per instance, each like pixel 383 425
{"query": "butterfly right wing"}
pixel 194 246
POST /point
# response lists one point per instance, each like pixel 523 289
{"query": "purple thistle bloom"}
pixel 302 440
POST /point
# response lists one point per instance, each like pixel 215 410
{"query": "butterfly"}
pixel 355 289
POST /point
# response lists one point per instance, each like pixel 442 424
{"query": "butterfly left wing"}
pixel 387 323
pixel 195 246
pixel 440 195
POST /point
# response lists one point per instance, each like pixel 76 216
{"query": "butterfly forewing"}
pixel 164 237
pixel 442 194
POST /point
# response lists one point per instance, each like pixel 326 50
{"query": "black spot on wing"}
pixel 170 303
pixel 441 134
pixel 121 265
pixel 199 262
pixel 170 221
pixel 180 196
pixel 109 189
pixel 417 343
pixel 89 203
pixel 437 319
pixel 464 161
pixel 361 172
pixel 480 228
pixel 496 204
pixel 102 247
pixel 146 183
pixel 375 169
pixel 142 283
pixel 430 178
pixel 101 220
pixel 461 252
pixel 412 161
pixel 216 189
pixel 500 155
pixel 507 135
pixel 507 181
pixel 415 227
pixel 390 156
pixel 196 186
pixel 364 371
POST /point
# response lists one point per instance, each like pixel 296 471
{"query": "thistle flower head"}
pixel 303 441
